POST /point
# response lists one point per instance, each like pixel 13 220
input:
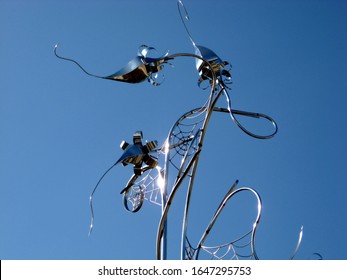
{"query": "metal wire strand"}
pixel 256 115
pixel 74 61
pixel 185 18
pixel 298 243
pixel 91 200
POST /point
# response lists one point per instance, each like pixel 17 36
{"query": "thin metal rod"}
pixel 163 220
pixel 74 61
pixel 181 6
pixel 298 243
pixel 167 199
pixel 191 183
pixel 91 199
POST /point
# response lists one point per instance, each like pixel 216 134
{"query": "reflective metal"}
pixel 137 154
pixel 139 69
pixel 179 155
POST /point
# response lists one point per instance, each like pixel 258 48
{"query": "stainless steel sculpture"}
pixel 179 155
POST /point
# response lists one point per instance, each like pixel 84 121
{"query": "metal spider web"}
pixel 241 247
pixel 179 148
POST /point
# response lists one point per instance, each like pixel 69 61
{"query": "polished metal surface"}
pixel 179 155
pixel 139 69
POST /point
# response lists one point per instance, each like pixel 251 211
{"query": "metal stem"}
pixel 167 200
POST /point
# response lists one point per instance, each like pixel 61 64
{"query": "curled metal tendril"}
pixel 316 256
pixel 91 199
pixel 298 243
pixel 184 18
pixel 233 112
pixel 74 61
pixel 133 195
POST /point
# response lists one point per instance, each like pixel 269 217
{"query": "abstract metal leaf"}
pixel 139 69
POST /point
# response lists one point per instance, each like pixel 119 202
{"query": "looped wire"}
pixel 248 114
pixel 156 64
pixel 225 74
pixel 144 50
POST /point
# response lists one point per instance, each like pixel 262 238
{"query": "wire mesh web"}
pixel 239 249
pixel 143 188
pixel 238 241
pixel 184 136
pixel 182 146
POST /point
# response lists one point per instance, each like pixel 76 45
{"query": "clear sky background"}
pixel 60 129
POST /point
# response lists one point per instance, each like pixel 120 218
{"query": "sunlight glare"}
pixel 160 179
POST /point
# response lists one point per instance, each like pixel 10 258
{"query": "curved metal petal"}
pixel 207 54
pixel 132 154
pixel 134 72
pixel 139 69
pixel 214 62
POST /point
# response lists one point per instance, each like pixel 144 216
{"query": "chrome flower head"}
pixel 139 69
pixel 215 64
pixel 138 154
pixel 210 61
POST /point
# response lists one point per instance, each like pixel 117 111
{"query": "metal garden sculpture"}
pixel 179 155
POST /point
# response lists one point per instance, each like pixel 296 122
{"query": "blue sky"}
pixel 60 129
